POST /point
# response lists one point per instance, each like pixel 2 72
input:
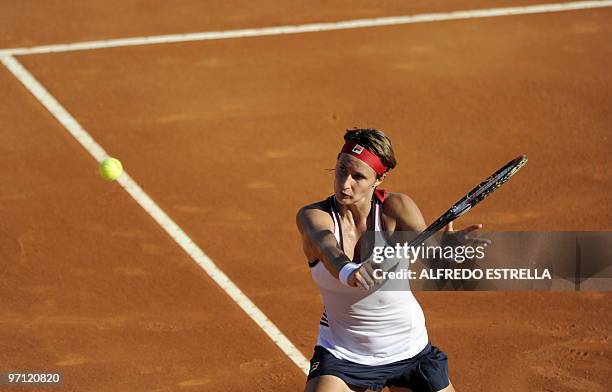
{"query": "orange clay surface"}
pixel 231 137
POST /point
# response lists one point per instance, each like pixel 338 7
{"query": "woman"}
pixel 368 338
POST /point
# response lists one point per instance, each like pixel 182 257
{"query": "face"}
pixel 354 181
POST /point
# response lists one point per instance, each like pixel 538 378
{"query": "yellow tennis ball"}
pixel 110 169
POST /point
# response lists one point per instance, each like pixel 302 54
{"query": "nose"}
pixel 345 181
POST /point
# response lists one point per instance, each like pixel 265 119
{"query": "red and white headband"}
pixel 366 156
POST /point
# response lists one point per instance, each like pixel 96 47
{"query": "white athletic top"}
pixel 367 327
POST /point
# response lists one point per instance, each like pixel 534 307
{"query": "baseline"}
pixel 308 28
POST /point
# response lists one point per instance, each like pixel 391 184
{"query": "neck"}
pixel 358 212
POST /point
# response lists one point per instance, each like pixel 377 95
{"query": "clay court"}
pixel 194 278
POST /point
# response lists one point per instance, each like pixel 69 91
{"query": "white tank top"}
pixel 367 327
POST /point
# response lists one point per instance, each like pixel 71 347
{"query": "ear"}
pixel 379 180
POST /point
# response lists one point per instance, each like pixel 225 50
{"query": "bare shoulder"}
pixel 400 208
pixel 313 215
pixel 397 203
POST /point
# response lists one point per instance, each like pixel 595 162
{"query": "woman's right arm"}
pixel 318 239
pixel 317 231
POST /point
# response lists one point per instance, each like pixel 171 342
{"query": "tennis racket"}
pixel 473 197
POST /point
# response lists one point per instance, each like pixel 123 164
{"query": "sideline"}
pixel 181 238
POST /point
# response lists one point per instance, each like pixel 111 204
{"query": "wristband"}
pixel 346 271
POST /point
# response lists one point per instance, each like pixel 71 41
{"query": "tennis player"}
pixel 368 339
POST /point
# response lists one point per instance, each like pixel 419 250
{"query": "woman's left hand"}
pixel 454 238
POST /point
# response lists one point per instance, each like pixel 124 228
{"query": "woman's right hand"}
pixel 364 277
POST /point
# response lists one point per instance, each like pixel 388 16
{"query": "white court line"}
pixel 306 28
pixel 83 137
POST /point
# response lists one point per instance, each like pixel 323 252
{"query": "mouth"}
pixel 344 195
